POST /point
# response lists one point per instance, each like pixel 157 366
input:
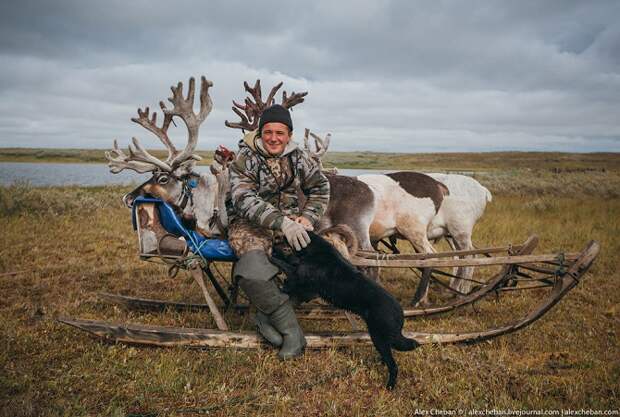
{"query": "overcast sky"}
pixel 397 76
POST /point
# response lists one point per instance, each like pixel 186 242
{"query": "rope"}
pixel 561 268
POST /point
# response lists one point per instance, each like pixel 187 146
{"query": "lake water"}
pixel 44 174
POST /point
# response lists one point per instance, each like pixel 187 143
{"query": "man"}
pixel 268 178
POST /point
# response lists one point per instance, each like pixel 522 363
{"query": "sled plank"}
pixel 445 263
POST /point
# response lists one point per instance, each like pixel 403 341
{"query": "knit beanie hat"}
pixel 275 113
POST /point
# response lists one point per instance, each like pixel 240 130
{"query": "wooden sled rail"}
pixel 445 263
pixel 413 256
pixel 307 311
pixel 174 336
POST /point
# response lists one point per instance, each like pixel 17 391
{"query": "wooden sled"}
pixel 511 271
pixel 565 273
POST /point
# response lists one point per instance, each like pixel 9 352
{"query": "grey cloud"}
pixel 383 75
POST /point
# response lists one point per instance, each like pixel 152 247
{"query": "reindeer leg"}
pixel 421 294
pixel 420 243
pixel 463 242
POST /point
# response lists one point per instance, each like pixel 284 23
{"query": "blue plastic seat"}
pixel 210 249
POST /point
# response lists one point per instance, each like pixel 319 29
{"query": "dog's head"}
pixel 284 252
pixel 285 258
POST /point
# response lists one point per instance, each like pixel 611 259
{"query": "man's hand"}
pixel 295 234
pixel 304 222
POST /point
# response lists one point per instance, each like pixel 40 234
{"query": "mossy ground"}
pixel 60 246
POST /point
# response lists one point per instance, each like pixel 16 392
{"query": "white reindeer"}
pixel 456 218
pixel 399 213
pixel 396 211
pixel 422 207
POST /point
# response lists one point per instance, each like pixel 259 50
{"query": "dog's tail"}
pixel 403 343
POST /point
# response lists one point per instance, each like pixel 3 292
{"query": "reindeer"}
pixel 405 213
pixel 198 198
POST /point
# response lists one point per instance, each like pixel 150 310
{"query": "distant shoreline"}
pixel 457 161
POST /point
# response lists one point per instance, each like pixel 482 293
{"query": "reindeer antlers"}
pixel 320 144
pixel 118 160
pixel 254 109
pixel 139 159
pixel 294 99
pixel 184 108
pixel 161 132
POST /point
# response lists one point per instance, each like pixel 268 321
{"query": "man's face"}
pixel 275 137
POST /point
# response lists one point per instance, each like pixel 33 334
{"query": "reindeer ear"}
pixel 185 168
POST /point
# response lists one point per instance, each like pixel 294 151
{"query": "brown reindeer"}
pixel 198 198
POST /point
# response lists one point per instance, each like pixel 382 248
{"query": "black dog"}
pixel 319 269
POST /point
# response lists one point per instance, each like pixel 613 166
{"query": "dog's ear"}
pixel 287 268
pixel 285 253
pixel 282 252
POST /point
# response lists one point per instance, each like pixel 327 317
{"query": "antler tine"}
pixel 184 108
pixel 118 160
pixel 255 91
pixel 253 109
pixel 306 141
pixel 206 104
pixel 161 132
pixel 259 105
pixel 294 99
pixel 321 144
pixel 245 123
pixel 138 153
pixel 272 94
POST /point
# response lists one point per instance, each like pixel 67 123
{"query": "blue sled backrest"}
pixel 210 249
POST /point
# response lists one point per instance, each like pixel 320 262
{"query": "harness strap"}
pixel 186 193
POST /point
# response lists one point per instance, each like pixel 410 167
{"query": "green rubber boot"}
pixel 254 273
pixel 275 319
pixel 293 339
pixel 266 329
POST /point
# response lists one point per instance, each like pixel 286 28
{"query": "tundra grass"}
pixel 55 257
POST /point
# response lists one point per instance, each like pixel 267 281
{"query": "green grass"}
pixel 61 245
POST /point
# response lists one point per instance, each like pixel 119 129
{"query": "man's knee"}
pixel 245 237
pixel 255 265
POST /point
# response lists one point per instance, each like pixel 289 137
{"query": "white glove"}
pixel 295 234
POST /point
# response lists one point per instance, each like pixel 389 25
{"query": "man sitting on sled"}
pixel 267 178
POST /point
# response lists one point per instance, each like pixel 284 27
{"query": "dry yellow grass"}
pixel 63 255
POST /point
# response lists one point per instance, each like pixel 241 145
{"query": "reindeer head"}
pixel 173 180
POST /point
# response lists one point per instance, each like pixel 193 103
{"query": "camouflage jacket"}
pixel 265 188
